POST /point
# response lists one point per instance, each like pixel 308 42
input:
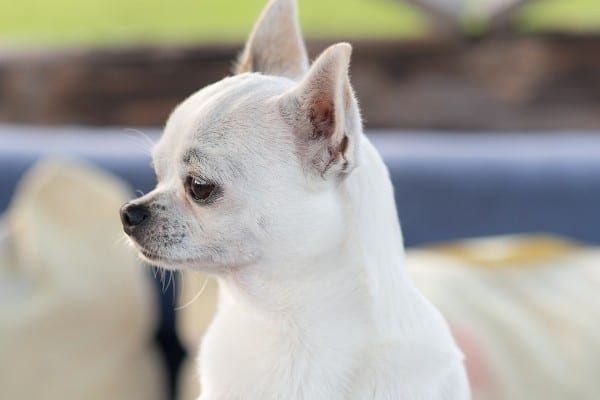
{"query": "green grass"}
pixel 569 15
pixel 99 22
pixel 108 22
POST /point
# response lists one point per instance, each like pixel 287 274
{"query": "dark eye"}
pixel 198 189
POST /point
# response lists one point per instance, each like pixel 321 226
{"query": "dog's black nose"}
pixel 133 215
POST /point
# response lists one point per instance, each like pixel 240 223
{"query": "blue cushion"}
pixel 447 185
pixel 450 186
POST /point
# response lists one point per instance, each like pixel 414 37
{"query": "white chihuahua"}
pixel 266 181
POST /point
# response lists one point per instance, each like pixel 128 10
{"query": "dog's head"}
pixel 249 168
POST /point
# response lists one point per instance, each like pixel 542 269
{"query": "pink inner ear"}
pixel 322 118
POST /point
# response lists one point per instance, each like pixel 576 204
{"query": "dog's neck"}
pixel 367 289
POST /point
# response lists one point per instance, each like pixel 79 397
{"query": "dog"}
pixel 267 182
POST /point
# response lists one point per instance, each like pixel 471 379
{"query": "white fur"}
pixel 348 325
pixel 304 241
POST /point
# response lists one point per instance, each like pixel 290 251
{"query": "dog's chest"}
pixel 240 360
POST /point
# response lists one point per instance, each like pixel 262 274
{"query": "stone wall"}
pixel 498 83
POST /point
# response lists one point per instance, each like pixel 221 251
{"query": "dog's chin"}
pixel 195 264
pixel 167 262
pixel 157 260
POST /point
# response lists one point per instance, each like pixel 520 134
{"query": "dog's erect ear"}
pixel 275 46
pixel 324 113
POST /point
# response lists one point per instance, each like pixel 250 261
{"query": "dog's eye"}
pixel 198 189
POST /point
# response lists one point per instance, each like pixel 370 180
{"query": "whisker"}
pixel 162 280
pixel 174 295
pixel 122 239
pixel 204 284
pixel 170 280
pixel 146 144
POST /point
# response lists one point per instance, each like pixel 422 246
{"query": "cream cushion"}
pixel 197 304
pixel 78 313
pixel 524 309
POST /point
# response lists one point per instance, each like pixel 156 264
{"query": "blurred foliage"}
pixel 561 15
pixel 126 21
pixel 106 22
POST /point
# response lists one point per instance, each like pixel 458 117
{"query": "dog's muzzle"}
pixel 133 216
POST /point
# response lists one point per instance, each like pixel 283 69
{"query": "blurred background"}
pixel 447 64
pixel 487 113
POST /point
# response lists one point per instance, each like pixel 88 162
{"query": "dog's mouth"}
pixel 154 258
pixel 151 256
